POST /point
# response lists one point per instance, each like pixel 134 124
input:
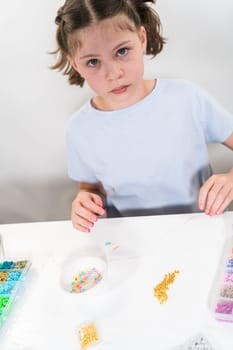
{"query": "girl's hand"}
pixel 216 193
pixel 85 210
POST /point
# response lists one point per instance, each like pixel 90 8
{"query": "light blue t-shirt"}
pixel 151 157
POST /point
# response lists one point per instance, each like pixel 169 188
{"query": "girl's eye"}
pixel 122 52
pixel 93 62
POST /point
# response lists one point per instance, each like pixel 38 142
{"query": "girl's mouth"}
pixel 120 89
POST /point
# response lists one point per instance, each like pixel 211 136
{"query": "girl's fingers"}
pixel 203 194
pixel 222 202
pixel 90 202
pixel 80 228
pixel 95 205
pixel 216 194
pixel 85 210
pixel 81 223
pixel 86 214
pixel 215 197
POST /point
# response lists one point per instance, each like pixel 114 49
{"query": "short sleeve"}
pixel 217 123
pixel 78 170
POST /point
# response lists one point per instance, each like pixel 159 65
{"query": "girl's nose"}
pixel 113 71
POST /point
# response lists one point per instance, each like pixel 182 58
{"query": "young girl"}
pixel 139 146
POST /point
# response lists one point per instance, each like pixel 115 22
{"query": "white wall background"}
pixel 37 102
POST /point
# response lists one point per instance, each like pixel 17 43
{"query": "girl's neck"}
pixel 143 90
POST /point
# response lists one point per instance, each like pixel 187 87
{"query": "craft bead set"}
pixel 83 274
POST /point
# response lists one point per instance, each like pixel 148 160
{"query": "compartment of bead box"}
pixel 224 303
pixel 12 277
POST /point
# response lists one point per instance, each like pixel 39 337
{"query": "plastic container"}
pixel 12 276
pixel 222 298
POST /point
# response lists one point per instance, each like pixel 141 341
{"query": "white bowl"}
pixel 93 269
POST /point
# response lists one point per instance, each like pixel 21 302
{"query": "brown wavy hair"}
pixel 78 14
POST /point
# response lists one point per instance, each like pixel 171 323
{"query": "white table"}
pixel 126 313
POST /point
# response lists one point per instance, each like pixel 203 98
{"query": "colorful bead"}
pixel 3 276
pixel 111 246
pixel 21 264
pixel 6 265
pixel 3 302
pixel 7 287
pixel 230 263
pixel 224 307
pixel 227 291
pixel 85 280
pixel 14 275
pixel 228 277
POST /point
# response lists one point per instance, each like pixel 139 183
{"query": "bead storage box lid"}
pixel 84 274
pixel 12 276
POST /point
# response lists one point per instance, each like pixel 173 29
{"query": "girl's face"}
pixel 111 61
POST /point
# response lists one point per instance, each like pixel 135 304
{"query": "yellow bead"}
pixel 161 289
pixel 88 335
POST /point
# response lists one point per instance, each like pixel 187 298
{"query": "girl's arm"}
pixel 217 192
pixel 96 188
pixel 88 205
pixel 229 142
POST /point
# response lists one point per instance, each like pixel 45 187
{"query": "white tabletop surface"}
pixel 125 311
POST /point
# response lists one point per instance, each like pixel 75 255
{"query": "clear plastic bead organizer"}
pixel 12 276
pixel 222 302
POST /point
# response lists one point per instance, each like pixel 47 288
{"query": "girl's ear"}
pixel 143 38
pixel 72 63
